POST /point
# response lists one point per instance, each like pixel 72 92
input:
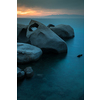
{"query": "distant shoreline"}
pixel 49 18
pixel 57 16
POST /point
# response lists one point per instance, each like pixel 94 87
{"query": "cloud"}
pixel 34 12
pixel 52 4
pixel 32 8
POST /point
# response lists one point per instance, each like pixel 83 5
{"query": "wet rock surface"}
pixel 20 74
pixel 28 72
pixel 44 38
pixel 63 31
pixel 21 33
pixel 27 53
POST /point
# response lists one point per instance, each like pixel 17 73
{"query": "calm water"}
pixel 63 74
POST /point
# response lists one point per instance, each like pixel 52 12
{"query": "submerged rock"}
pixel 20 74
pixel 79 55
pixel 44 38
pixel 29 72
pixel 51 25
pixel 63 31
pixel 21 33
pixel 27 53
pixel 40 75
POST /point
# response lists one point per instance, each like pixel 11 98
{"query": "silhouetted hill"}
pixel 65 16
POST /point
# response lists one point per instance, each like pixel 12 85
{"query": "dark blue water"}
pixel 63 74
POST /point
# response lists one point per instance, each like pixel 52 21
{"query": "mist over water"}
pixel 63 74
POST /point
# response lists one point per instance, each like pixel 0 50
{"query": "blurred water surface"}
pixel 63 74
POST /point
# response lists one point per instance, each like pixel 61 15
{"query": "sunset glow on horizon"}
pixel 24 12
pixel 41 8
pixel 36 12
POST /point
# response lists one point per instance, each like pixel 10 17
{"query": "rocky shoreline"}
pixel 35 39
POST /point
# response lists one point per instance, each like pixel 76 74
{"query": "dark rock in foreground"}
pixel 44 38
pixel 51 25
pixel 27 53
pixel 63 31
pixel 21 33
pixel 29 72
pixel 20 74
pixel 20 27
pixel 79 55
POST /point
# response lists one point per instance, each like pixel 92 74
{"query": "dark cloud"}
pixel 53 4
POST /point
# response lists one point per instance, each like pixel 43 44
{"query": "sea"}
pixel 56 76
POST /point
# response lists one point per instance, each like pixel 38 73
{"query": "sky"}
pixel 40 8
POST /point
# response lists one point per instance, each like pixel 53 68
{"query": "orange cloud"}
pixel 24 12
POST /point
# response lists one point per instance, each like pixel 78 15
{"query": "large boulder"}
pixel 27 53
pixel 44 38
pixel 63 31
pixel 29 72
pixel 21 33
pixel 20 74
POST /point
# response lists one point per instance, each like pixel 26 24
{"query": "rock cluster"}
pixel 20 74
pixel 28 73
pixel 44 38
pixel 35 39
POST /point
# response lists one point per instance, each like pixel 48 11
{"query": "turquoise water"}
pixel 63 74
